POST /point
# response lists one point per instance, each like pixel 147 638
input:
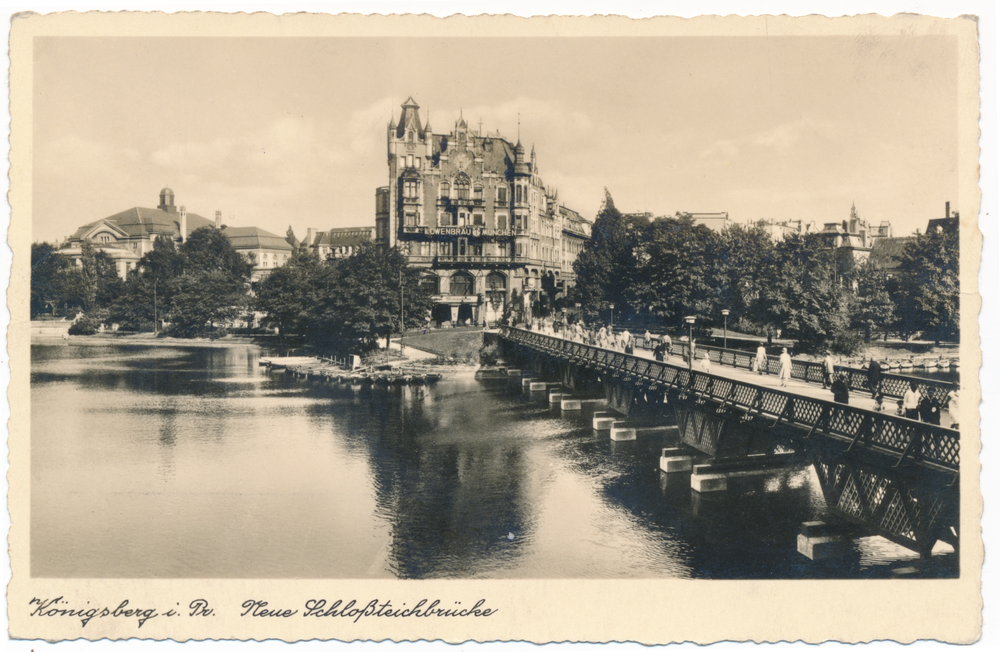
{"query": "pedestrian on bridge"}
pixel 785 367
pixel 911 402
pixel 667 343
pixel 875 377
pixel 828 370
pixel 841 392
pixel 761 360
pixel 953 408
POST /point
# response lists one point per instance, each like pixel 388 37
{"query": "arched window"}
pixel 444 190
pixel 462 284
pixel 496 281
pixel 462 187
pixel 477 191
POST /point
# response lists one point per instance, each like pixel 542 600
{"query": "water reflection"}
pixel 194 462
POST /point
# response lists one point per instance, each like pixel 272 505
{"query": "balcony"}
pixel 491 260
pixel 416 230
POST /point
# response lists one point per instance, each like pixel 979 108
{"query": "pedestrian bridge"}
pixel 799 410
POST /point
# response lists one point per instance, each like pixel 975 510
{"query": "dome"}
pixel 167 191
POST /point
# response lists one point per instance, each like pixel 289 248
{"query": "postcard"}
pixel 365 328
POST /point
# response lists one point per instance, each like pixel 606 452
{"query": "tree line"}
pixel 344 304
pixel 658 271
pixel 202 287
pixel 198 288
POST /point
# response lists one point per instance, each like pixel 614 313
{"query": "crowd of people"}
pixel 915 404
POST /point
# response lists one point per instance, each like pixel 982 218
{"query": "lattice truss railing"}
pixel 892 506
pixel 907 440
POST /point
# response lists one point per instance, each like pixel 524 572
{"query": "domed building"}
pixel 127 236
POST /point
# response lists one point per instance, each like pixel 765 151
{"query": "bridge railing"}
pixel 891 385
pixel 905 439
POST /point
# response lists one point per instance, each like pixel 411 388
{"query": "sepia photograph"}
pixel 471 300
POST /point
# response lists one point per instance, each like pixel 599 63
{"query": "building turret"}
pixel 409 122
pixel 167 201
pixel 520 165
pixel 429 137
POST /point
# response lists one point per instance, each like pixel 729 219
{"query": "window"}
pixel 518 200
pixel 418 162
pixel 462 244
pixel 477 219
pixel 502 195
pixel 409 160
pixel 462 284
pixel 502 248
pixel 104 238
pixel 476 249
pixel 496 281
pixel 411 218
pixel 502 220
pixel 477 192
pixel 444 190
pixel 429 284
pixel 410 189
pixel 462 187
pixel 444 219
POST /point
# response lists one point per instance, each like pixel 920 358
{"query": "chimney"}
pixel 218 219
pixel 947 209
pixel 310 234
pixel 184 224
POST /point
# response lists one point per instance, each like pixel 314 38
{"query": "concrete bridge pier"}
pixel 676 460
pixel 818 540
pixel 603 420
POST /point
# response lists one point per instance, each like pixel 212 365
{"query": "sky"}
pixel 279 132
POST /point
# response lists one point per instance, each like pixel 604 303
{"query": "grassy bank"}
pixel 458 344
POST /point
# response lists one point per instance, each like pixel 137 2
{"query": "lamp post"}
pixel 690 323
pixel 725 329
pixel 612 316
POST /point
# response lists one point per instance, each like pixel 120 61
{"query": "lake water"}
pixel 187 462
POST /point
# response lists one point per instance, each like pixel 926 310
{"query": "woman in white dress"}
pixel 786 367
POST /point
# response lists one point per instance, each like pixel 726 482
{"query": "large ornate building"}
pixel 472 210
pixel 130 234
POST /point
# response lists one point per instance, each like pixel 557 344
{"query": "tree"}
pixel 873 308
pixel 676 269
pixel 928 287
pixel 150 287
pixel 356 300
pixel 47 278
pixel 213 285
pixel 608 263
pixel 285 295
pixel 738 274
pixel 803 298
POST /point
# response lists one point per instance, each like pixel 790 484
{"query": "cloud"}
pixel 778 139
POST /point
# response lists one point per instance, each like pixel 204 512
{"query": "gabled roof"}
pixel 88 230
pixel 252 237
